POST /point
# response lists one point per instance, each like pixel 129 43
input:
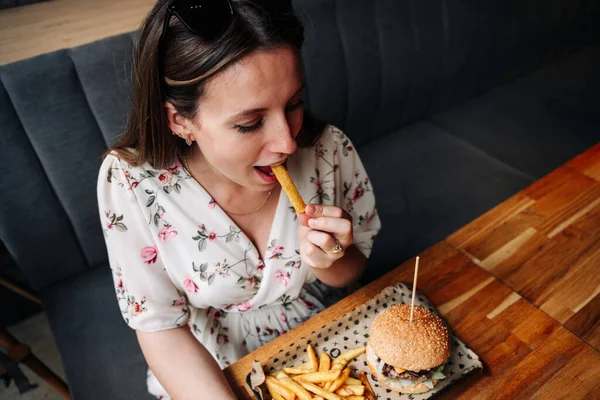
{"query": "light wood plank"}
pixel 509 301
pixel 479 227
pixel 508 250
pixel 44 27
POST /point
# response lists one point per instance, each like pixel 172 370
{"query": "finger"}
pixel 303 219
pixel 316 256
pixel 323 240
pixel 340 226
pixel 302 231
pixel 318 210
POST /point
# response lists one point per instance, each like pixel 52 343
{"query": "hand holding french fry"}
pixel 324 232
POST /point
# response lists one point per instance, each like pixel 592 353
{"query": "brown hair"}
pixel 188 62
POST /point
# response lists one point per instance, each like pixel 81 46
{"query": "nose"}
pixel 283 139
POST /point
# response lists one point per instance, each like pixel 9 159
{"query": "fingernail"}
pixel 310 209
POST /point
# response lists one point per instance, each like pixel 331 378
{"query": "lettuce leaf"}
pixel 438 374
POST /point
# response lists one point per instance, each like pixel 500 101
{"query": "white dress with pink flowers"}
pixel 178 259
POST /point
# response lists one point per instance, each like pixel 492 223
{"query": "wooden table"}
pixel 519 285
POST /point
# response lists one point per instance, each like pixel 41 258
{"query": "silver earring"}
pixel 188 141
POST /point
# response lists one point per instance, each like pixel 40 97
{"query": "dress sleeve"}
pixel 148 299
pixel 353 191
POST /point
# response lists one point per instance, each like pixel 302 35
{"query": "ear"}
pixel 178 124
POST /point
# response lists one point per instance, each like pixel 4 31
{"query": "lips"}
pixel 266 169
pixel 266 172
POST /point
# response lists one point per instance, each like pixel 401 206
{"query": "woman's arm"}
pixel 183 366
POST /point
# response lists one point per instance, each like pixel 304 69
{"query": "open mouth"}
pixel 266 171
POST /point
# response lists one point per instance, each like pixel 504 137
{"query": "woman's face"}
pixel 249 117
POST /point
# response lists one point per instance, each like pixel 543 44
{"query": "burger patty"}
pixel 389 372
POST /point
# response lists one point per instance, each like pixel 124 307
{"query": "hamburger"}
pixel 408 358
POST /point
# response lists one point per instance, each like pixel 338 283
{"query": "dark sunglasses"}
pixel 209 19
pixel 206 18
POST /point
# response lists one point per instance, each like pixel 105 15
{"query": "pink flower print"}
pixel 211 204
pixel 180 302
pixel 245 306
pixel 136 309
pixel 107 213
pixel 175 168
pixel 143 299
pixel 160 212
pixel 283 318
pixel 252 281
pixel 296 265
pixel 212 236
pixel 222 339
pixel 217 314
pixel 269 330
pixel 149 254
pixel 309 305
pixel 167 233
pixel 134 185
pixel 120 286
pixel 190 286
pixel 357 194
pixel 165 178
pixel 273 332
pixel 282 277
pixel 222 270
pixel 366 180
pixel 261 265
pixel 349 148
pixel 275 252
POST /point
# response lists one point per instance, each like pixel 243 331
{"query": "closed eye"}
pixel 249 128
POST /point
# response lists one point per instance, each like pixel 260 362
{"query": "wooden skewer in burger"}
pixel 408 347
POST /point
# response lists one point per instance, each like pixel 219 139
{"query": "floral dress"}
pixel 178 259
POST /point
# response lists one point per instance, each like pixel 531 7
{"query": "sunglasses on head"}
pixel 209 19
pixel 205 18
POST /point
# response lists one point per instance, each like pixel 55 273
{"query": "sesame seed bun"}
pixel 421 346
pixel 418 388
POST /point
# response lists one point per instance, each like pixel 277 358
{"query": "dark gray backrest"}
pixel 58 111
pixel 371 67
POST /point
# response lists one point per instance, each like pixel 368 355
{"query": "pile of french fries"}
pixel 320 379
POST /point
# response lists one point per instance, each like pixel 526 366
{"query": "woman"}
pixel 209 259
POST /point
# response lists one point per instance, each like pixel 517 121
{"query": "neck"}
pixel 231 196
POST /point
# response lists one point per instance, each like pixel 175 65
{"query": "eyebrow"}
pixel 257 110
